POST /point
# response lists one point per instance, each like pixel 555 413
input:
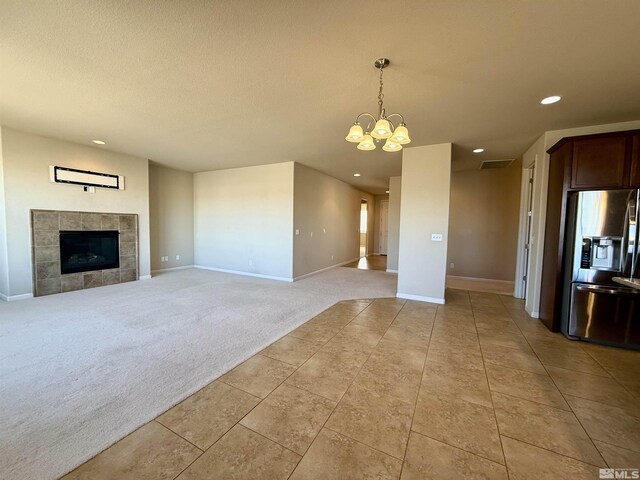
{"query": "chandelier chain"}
pixel 380 94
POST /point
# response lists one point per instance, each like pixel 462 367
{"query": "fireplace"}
pixel 85 251
pixel 79 250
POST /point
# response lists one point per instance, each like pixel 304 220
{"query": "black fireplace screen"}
pixel 88 250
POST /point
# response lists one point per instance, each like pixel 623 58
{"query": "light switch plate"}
pixel 436 237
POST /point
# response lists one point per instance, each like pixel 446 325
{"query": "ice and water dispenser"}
pixel 602 253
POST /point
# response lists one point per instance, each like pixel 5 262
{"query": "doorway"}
pixel 367 261
pixel 364 218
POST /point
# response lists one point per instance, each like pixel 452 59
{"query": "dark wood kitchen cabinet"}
pixel 551 285
pixel 606 161
pixel 635 163
pixel 599 162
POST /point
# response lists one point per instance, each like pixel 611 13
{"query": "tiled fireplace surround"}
pixel 45 248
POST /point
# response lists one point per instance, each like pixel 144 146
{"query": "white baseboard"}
pixel 300 277
pixel 247 274
pixel 13 298
pixel 481 284
pixel 389 270
pixel 420 298
pixel 171 269
pixel 144 277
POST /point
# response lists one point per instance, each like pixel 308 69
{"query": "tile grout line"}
pixel 415 405
pixel 605 368
pixel 176 433
pixel 565 399
pixel 294 371
pixel 551 451
pixel 364 444
pixel 261 399
pixel 272 440
pixel 463 449
pixel 486 376
pixel 296 368
pixel 345 392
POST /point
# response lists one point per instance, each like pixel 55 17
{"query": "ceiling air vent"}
pixel 495 164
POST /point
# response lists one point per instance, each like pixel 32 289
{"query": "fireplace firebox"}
pixel 84 251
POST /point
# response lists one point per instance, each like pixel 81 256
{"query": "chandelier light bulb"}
pixel 401 135
pixel 355 134
pixel 367 143
pixel 382 129
pixel 391 146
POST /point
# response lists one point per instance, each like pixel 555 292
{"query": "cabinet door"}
pixel 551 282
pixel 599 163
pixel 635 162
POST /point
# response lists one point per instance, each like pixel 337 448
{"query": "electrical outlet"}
pixel 436 237
pixel 452 265
pixel 324 230
pixel 297 232
pixel 311 234
pixel 331 257
pixel 177 257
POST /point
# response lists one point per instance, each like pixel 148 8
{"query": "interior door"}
pixel 527 246
pixel 384 226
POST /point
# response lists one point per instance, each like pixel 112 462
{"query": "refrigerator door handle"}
pixel 606 290
pixel 634 258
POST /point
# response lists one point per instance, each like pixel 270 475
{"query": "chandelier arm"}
pixel 366 114
pixel 397 115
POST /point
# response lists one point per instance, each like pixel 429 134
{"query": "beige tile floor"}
pixel 389 389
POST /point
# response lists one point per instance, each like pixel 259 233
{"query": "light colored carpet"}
pixel 80 370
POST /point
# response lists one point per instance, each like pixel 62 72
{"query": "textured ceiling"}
pixel 202 85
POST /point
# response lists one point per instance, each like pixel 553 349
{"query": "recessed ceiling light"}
pixel 99 142
pixel 356 174
pixel 478 150
pixel 550 100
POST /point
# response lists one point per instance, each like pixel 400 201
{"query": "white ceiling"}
pixel 202 85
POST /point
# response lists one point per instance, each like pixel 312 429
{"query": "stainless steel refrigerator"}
pixel 602 243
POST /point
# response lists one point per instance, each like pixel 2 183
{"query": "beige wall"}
pixel 393 243
pixel 26 159
pixel 327 217
pixel 243 220
pixel 171 217
pixel 426 179
pixel 483 228
pixel 4 269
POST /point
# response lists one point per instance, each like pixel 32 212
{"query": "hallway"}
pixel 370 262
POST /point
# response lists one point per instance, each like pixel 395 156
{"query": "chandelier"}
pixel 383 128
